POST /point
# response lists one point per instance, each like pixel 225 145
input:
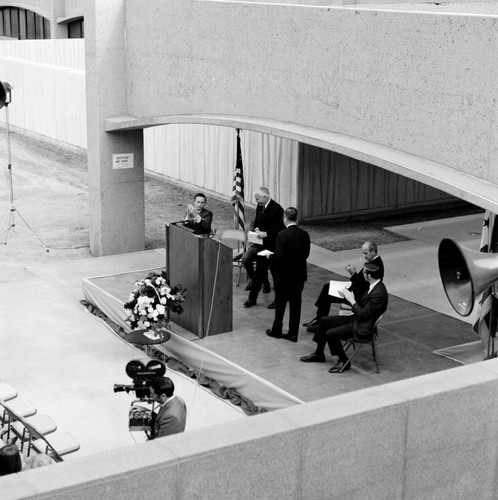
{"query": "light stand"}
pixel 5 100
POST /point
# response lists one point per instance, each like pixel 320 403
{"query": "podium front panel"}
pixel 192 261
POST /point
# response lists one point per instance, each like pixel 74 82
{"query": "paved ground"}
pixel 66 361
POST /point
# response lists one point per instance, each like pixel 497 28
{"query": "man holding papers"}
pixel 267 223
pixel 358 285
pixel 292 248
pixel 332 330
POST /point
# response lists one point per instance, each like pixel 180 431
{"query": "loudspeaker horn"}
pixel 465 274
pixel 5 89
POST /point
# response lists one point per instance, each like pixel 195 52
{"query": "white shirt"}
pixel 372 285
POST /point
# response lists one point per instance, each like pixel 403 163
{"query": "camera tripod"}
pixel 5 100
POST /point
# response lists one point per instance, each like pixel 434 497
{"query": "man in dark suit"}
pixel 198 218
pixel 358 285
pixel 360 325
pixel 172 415
pixel 267 224
pixel 292 248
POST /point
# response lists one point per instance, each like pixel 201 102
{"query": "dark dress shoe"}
pixel 271 333
pixel 248 286
pixel 292 338
pixel 313 322
pixel 249 303
pixel 313 328
pixel 313 358
pixel 272 305
pixel 266 287
pixel 340 366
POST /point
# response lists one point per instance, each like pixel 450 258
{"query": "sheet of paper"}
pixel 252 237
pixel 264 253
pixel 335 286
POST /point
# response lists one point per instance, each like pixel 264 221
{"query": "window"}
pixel 23 24
pixel 76 29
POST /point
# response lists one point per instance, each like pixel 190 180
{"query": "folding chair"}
pixel 16 423
pixel 356 345
pixel 60 444
pixel 17 406
pixel 240 237
pixel 42 422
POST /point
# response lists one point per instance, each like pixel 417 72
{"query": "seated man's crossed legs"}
pixel 331 330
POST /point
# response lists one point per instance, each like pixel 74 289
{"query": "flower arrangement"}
pixel 151 300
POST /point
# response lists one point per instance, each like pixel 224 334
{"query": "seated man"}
pixel 358 285
pixel 197 217
pixel 332 330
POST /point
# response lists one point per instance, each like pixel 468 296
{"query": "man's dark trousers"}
pixel 292 295
pixel 332 330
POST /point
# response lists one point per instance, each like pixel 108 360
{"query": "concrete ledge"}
pixel 431 436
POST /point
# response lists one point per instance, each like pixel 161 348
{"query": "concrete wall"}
pixel 429 437
pixel 418 83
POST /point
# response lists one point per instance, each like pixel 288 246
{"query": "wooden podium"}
pixel 191 260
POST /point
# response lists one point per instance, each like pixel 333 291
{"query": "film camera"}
pixel 143 375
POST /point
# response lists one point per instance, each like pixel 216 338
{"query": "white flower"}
pixel 146 324
pixel 163 301
pixel 160 309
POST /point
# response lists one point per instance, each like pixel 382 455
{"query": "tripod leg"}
pixel 31 230
pixel 10 225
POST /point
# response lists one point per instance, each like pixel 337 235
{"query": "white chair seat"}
pixel 7 392
pixel 41 422
pixel 22 407
pixel 63 443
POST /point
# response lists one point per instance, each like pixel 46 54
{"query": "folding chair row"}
pixel 32 431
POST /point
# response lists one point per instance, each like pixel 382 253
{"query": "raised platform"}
pixel 109 293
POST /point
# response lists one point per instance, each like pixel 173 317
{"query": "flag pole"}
pixel 238 188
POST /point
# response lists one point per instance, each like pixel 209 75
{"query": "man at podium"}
pixel 197 217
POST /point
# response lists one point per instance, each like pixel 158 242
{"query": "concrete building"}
pixel 409 88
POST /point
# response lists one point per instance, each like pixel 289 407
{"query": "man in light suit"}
pixel 333 329
pixel 172 415
pixel 292 248
pixel 267 224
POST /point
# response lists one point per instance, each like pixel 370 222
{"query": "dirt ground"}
pixel 51 197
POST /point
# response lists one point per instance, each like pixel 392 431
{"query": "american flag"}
pixel 485 326
pixel 238 189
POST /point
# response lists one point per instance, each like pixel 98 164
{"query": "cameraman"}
pixel 172 414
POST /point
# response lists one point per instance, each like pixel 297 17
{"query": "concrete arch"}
pixel 456 183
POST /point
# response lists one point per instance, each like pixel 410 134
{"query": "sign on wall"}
pixel 120 161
